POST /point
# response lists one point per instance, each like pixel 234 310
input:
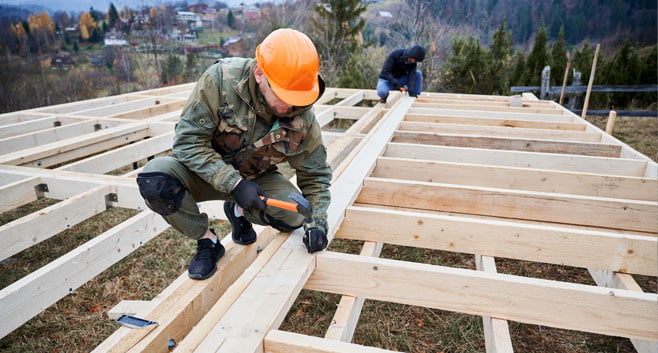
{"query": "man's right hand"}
pixel 247 195
pixel 395 84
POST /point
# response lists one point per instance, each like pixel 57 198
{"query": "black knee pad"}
pixel 162 192
pixel 278 224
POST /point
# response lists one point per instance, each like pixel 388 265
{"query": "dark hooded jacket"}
pixel 396 65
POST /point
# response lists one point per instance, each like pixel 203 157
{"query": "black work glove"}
pixel 315 240
pixel 247 195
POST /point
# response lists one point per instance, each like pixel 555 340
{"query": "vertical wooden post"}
pixel 564 82
pixel 591 81
pixel 545 82
pixel 610 125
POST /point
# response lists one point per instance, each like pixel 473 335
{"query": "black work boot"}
pixel 242 232
pixel 383 100
pixel 204 263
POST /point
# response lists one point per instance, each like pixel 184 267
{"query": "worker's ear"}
pixel 258 74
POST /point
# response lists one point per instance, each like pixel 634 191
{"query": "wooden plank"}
pixel 564 305
pixel 37 122
pixel 514 240
pixel 634 188
pixel 147 112
pixel 285 342
pixel 592 211
pixel 624 281
pixel 496 332
pixel 38 226
pixel 519 159
pixel 498 131
pixel 123 156
pixel 349 308
pixel 500 143
pixel 32 294
pixel 520 123
pixel 18 193
pixel 42 137
pixel 559 117
pixel 75 107
pixel 487 107
pixel 207 325
pixel 353 99
pixel 64 150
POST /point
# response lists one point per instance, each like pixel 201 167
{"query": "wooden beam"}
pixel 496 331
pixel 592 211
pixel 122 156
pixel 519 159
pixel 285 342
pixel 61 151
pixel 52 134
pixel 634 188
pixel 349 308
pixel 564 305
pixel 355 98
pixel 500 143
pixel 38 226
pixel 559 117
pixel 499 131
pixel 30 295
pixel 515 240
pixel 36 123
pixel 611 279
pixel 520 123
pixel 18 193
pixel 487 107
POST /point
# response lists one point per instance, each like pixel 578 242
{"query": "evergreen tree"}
pixel 558 59
pixel 622 69
pixel 518 73
pixel 582 61
pixel 172 67
pixel 465 66
pixel 230 19
pixel 112 15
pixel 76 47
pixel 537 59
pixel 338 27
pixel 499 62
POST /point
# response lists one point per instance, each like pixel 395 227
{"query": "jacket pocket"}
pixel 228 139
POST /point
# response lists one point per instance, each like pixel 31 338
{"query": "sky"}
pixel 102 5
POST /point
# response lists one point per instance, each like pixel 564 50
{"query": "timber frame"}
pixel 454 172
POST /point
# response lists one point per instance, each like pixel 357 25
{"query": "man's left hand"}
pixel 315 240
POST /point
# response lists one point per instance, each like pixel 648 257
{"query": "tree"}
pixel 112 15
pixel 499 63
pixel 558 59
pixel 465 66
pixel 230 19
pixel 87 25
pixel 537 59
pixel 171 68
pixel 338 27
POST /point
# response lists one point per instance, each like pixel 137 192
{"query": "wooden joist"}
pixel 499 238
pixel 592 211
pixel 484 121
pixel 571 306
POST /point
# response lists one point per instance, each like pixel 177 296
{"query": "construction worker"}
pixel 243 118
pixel 399 70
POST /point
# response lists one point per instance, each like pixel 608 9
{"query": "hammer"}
pixel 301 206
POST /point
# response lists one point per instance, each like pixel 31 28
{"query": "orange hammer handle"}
pixel 280 204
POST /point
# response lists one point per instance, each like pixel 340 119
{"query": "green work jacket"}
pixel 226 132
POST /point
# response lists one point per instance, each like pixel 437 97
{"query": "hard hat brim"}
pixel 297 98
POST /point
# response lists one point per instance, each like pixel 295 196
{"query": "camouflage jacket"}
pixel 227 131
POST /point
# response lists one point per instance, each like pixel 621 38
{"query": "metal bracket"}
pixel 57 123
pixel 40 189
pixel 110 198
pixel 97 127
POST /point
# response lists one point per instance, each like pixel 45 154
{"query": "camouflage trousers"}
pixel 191 222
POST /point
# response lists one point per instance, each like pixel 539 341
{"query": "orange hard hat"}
pixel 291 64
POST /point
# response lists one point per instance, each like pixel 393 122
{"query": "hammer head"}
pixel 303 206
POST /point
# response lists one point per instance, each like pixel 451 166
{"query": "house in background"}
pixel 62 62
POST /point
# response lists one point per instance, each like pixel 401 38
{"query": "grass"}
pixel 78 322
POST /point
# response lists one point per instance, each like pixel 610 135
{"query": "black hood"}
pixel 416 52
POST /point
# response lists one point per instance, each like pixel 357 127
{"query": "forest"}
pixel 474 46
